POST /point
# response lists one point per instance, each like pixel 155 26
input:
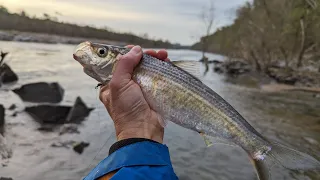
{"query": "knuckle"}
pixel 114 85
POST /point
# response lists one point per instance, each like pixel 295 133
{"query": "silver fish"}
pixel 173 90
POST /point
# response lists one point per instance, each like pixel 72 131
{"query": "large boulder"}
pixel 7 75
pixel 78 112
pixel 52 114
pixel 41 92
pixel 49 114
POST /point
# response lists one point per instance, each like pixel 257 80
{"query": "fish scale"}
pixel 178 96
pixel 214 114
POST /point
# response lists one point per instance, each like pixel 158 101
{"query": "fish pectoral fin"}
pixel 206 139
pixel 92 74
pixel 108 79
pixel 105 82
pixel 210 140
pixel 191 67
pixel 98 85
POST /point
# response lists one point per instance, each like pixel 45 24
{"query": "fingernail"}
pixel 136 49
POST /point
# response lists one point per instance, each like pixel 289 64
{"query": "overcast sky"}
pixel 173 20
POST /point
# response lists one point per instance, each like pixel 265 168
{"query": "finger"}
pixel 162 54
pixel 103 92
pixel 129 46
pixel 124 68
pixel 151 53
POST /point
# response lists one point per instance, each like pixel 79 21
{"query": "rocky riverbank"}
pixel 240 72
pixel 49 38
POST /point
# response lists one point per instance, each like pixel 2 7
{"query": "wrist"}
pixel 155 134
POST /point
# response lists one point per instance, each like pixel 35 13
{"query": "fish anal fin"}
pixel 191 67
pixel 206 139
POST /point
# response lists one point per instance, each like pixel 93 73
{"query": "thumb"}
pixel 125 67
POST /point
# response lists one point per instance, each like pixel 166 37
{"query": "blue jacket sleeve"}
pixel 142 160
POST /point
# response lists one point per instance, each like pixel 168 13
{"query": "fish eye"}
pixel 102 52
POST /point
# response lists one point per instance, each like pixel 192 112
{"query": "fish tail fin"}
pixel 288 158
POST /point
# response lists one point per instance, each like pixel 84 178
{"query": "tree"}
pixel 208 18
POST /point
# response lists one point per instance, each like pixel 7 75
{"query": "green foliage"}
pixel 3 9
pixel 49 24
pixel 266 32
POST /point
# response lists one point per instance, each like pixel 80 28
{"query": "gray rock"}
pixel 49 114
pixel 2 56
pixel 2 119
pixel 7 75
pixel 69 129
pixel 52 114
pixel 66 144
pixel 5 178
pixel 41 92
pixel 237 67
pixel 79 147
pixel 311 140
pixel 214 61
pixel 12 107
pixel 46 128
pixel 78 112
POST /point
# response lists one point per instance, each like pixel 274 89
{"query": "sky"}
pixel 175 20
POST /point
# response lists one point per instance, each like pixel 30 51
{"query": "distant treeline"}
pixel 267 32
pixel 50 25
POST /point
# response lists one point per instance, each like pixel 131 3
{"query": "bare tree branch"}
pixel 312 3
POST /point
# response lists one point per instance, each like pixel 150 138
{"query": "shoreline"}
pixel 18 36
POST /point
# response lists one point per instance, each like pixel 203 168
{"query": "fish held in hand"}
pixel 175 92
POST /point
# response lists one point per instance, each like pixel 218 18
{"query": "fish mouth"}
pixel 77 58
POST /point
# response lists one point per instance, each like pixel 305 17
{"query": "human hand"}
pixel 123 98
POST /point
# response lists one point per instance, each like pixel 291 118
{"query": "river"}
pixel 289 118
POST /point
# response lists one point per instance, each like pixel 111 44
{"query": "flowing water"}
pixel 290 118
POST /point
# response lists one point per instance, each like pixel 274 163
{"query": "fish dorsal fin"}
pixel 191 67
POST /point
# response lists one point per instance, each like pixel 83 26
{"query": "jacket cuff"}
pixel 125 142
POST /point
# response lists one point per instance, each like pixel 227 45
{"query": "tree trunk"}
pixel 285 56
pixel 302 46
pixel 256 61
pixel 204 50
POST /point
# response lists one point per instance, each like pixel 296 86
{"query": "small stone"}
pixel 311 141
pixel 45 128
pixel 5 178
pixel 70 128
pixel 316 95
pixel 2 120
pixel 12 107
pixel 79 147
pixel 65 144
pixel 14 114
pixel 2 114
